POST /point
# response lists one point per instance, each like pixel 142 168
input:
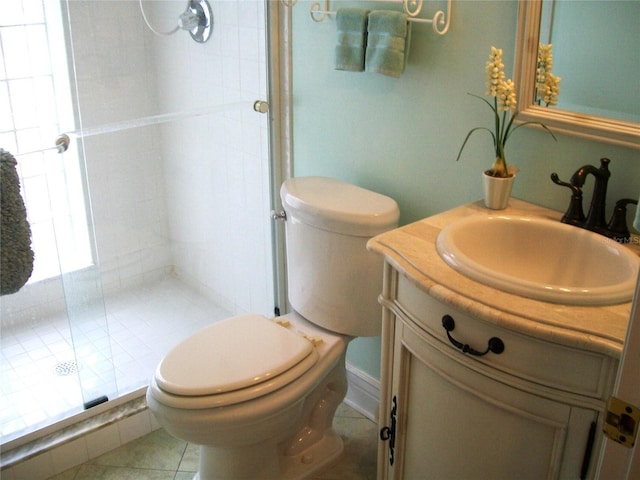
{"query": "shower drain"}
pixel 66 368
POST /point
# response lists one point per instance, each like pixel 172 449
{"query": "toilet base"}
pixel 214 461
pixel 295 467
pixel 312 448
pixel 315 458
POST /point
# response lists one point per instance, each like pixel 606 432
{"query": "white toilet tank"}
pixel 333 281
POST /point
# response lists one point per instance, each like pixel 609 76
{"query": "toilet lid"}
pixel 236 353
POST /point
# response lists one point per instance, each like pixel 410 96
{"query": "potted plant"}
pixel 498 180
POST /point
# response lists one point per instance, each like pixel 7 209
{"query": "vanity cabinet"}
pixel 533 410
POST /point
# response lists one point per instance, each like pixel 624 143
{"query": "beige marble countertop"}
pixel 411 250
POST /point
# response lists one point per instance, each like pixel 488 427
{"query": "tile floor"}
pixel 142 324
pixel 158 456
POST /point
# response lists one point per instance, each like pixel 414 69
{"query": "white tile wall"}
pixel 116 81
pixel 192 194
pixel 216 167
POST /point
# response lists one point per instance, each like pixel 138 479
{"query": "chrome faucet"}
pixel 595 219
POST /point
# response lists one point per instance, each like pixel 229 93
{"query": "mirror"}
pixel 589 121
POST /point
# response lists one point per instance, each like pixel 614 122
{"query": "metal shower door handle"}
pixel 261 106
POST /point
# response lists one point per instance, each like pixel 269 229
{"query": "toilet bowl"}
pixel 259 394
pixel 264 418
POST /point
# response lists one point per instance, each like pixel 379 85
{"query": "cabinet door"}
pixel 456 422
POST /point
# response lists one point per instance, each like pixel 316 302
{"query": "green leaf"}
pixel 535 123
pixel 469 135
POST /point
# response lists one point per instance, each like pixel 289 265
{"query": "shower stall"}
pixel 156 219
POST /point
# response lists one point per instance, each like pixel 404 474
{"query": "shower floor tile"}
pixel 39 376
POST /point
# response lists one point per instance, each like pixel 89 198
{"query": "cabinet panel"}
pixel 454 423
pixel 549 364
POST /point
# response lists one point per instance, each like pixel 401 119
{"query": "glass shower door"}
pixel 40 357
pixel 170 164
pixel 72 217
pixel 177 163
pixel 89 329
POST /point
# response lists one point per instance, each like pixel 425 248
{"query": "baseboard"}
pixel 363 394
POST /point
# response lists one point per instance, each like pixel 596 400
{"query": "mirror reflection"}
pixel 596 60
pixel 595 52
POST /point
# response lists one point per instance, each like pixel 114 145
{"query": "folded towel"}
pixel 387 42
pixel 636 222
pixel 16 256
pixel 351 24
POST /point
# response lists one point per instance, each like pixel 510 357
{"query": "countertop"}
pixel 411 250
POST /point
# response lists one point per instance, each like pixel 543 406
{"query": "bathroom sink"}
pixel 540 259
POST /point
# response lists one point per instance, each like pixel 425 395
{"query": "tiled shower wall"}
pixel 217 166
pixel 189 197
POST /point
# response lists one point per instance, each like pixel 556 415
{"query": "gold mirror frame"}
pixel 602 129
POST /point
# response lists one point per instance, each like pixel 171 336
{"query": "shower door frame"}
pixel 280 79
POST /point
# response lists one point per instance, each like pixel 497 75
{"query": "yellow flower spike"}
pixel 505 101
pixel 547 88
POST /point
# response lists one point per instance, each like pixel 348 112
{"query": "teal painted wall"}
pixel 401 136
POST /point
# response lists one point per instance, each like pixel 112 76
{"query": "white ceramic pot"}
pixel 497 191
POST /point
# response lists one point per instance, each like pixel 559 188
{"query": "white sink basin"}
pixel 540 259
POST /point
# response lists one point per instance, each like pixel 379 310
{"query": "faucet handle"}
pixel 618 225
pixel 574 188
pixel 574 214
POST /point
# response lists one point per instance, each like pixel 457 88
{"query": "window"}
pixel 35 106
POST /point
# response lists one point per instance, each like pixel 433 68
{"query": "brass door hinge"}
pixel 621 422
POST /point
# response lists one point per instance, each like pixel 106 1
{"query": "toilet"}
pixel 259 394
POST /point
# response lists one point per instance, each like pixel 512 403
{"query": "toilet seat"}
pixel 197 372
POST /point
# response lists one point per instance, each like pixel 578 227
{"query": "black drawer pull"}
pixel 495 344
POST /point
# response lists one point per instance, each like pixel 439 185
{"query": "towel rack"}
pixel 440 20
